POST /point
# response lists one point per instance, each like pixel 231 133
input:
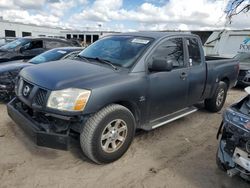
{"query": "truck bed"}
pixel 220 68
pixel 212 58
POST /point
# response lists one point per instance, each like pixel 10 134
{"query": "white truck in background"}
pixel 227 43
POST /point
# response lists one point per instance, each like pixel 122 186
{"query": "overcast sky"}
pixel 122 15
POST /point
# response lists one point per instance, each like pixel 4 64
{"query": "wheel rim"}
pixel 220 97
pixel 114 135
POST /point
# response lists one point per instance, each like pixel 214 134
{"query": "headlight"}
pixel 71 99
pixel 237 118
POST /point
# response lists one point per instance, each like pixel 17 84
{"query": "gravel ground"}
pixel 180 154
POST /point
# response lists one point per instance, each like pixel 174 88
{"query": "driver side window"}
pixel 33 45
pixel 171 50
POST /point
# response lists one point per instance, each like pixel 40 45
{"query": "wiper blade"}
pixel 106 62
pixel 83 58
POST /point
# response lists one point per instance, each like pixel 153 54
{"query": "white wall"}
pixel 34 30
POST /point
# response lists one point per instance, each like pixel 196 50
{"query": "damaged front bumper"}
pixel 7 86
pixel 244 78
pixel 234 148
pixel 43 134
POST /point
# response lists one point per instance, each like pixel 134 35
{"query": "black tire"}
pixel 211 104
pixel 90 137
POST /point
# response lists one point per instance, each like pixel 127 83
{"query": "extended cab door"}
pixel 197 70
pixel 168 90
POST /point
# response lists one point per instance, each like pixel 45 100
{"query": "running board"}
pixel 174 116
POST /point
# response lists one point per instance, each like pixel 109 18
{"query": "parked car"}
pixel 10 70
pixel 233 153
pixel 29 47
pixel 244 74
pixel 123 82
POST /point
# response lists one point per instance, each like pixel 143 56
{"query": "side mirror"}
pixel 159 65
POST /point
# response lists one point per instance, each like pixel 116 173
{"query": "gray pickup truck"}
pixel 119 84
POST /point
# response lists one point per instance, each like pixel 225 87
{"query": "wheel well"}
pixel 132 107
pixel 226 80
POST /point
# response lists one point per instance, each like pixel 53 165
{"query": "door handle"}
pixel 183 75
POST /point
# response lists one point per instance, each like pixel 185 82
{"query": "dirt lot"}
pixel 180 154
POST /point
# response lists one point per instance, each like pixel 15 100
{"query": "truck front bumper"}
pixel 40 136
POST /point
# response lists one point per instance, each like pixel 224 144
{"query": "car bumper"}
pixel 233 153
pixel 35 131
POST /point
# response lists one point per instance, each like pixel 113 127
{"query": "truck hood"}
pixel 13 65
pixel 66 74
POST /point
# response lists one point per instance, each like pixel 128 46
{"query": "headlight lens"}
pixel 237 118
pixel 71 99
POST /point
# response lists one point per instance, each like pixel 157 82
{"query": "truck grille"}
pixel 30 93
pixel 40 97
pixel 27 88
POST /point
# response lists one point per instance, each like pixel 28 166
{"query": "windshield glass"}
pixel 119 50
pixel 243 57
pixel 51 55
pixel 14 44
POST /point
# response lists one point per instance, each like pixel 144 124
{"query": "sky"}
pixel 123 15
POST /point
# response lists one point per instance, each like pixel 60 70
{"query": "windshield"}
pixel 51 55
pixel 118 50
pixel 14 44
pixel 243 57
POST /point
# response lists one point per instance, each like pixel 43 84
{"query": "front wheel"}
pixel 108 134
pixel 216 103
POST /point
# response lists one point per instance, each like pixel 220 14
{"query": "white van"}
pixel 227 43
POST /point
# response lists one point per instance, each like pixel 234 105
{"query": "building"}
pixel 87 36
pixel 10 29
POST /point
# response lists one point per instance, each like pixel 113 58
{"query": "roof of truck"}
pixel 154 34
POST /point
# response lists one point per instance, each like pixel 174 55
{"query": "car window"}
pixel 54 44
pixel 51 55
pixel 14 44
pixel 171 50
pixel 119 50
pixel 33 45
pixel 194 52
pixel 71 55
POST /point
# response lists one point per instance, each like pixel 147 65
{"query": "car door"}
pixel 168 90
pixel 197 70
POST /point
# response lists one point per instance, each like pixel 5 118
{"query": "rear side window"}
pixel 33 44
pixel 194 52
pixel 50 44
pixel 171 50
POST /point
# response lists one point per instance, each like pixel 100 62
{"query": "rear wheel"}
pixel 108 134
pixel 216 103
